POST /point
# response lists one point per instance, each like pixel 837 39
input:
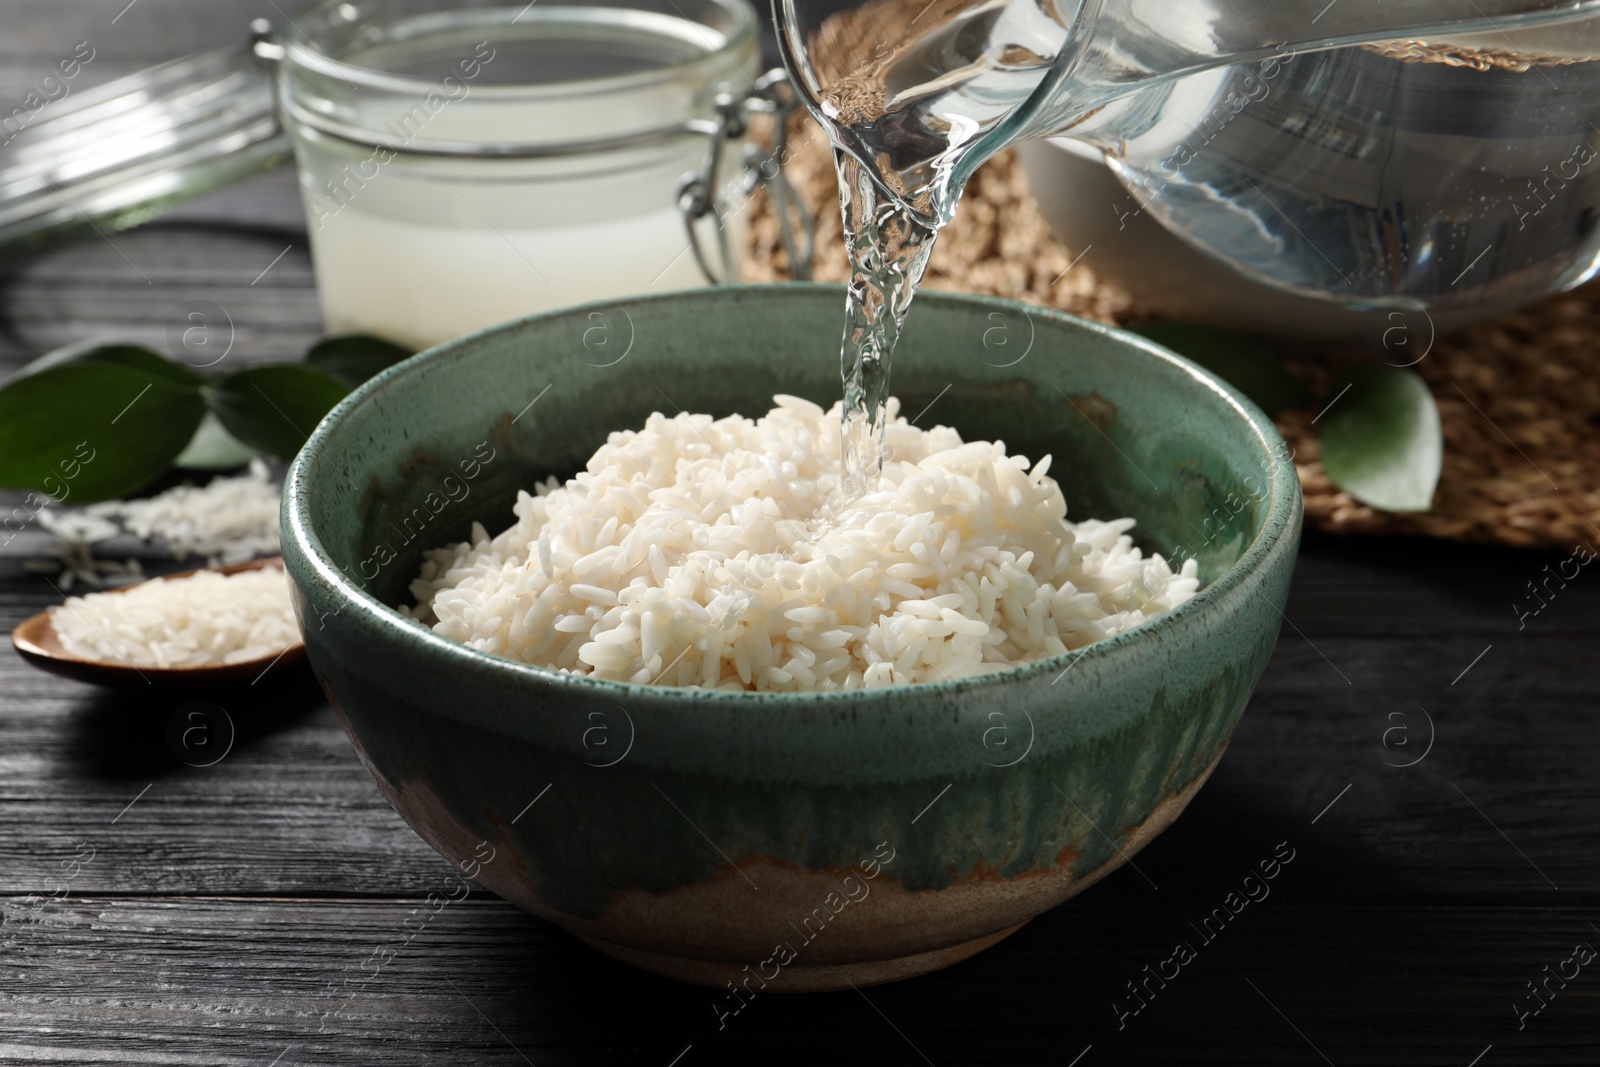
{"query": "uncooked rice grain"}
pixel 228 520
pixel 715 553
pixel 203 619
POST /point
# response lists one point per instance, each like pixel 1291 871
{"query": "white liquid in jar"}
pixel 515 161
pixel 420 285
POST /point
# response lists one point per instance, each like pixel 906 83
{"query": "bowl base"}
pixel 796 977
pixel 799 977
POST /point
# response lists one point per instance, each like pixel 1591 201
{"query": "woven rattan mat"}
pixel 1519 398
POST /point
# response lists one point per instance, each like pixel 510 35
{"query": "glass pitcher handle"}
pixel 117 155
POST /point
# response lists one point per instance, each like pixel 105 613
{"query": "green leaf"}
pixel 355 357
pixel 213 448
pixel 87 431
pixel 136 356
pixel 1247 365
pixel 274 408
pixel 1381 440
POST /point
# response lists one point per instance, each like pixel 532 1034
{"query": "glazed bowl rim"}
pixel 300 538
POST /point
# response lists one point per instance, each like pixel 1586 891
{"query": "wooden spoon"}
pixel 38 643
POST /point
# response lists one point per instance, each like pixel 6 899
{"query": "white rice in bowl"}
pixel 713 553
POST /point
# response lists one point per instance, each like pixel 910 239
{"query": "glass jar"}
pixel 466 167
pixel 462 163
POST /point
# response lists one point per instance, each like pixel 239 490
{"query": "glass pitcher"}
pixel 1368 153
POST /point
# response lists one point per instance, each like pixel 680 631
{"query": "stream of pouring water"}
pixel 904 88
pixel 889 249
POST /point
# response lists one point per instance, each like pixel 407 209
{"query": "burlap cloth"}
pixel 1519 398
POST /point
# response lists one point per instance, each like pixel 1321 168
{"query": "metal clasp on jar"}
pixel 698 196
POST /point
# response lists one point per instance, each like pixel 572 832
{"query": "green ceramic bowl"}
pixel 788 841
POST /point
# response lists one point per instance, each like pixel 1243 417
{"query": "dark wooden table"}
pixel 224 906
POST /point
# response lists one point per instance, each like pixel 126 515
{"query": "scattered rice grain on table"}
pixel 227 520
pixel 691 553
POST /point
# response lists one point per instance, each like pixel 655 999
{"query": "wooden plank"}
pixel 219 981
pixel 134 286
pixel 1407 587
pixel 268 818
